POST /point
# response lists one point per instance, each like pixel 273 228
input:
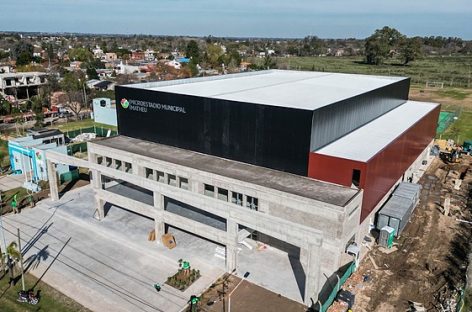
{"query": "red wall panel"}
pixel 380 173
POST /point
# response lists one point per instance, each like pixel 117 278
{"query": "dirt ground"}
pixel 247 297
pixel 448 103
pixel 428 263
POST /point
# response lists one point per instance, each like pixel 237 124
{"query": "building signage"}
pixel 144 106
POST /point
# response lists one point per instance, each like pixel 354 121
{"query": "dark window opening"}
pixel 356 177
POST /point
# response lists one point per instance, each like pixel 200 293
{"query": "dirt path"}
pixel 431 256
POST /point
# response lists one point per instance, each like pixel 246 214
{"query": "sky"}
pixel 240 18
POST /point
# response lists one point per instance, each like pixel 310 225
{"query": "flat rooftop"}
pixel 284 88
pixel 21 74
pixel 282 181
pixel 365 142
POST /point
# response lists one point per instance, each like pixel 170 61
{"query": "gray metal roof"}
pixel 396 207
pixel 284 88
pixel 364 143
pixel 286 182
pixel 408 190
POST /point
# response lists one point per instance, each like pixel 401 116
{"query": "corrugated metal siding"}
pixel 380 173
pixel 334 121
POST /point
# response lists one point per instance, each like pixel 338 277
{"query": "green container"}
pixel 69 176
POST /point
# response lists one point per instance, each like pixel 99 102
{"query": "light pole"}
pixel 229 296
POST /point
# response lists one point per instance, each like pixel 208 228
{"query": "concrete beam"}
pixel 125 202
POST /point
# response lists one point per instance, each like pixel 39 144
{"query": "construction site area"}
pixel 425 270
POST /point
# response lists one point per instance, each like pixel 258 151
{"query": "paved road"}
pixel 102 271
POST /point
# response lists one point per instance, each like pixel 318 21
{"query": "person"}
pixel 14 204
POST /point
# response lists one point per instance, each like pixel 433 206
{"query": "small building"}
pixel 27 155
pixel 104 111
pixel 110 57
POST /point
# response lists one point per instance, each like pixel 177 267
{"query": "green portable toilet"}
pixel 387 234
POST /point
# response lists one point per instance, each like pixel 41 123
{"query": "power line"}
pixel 116 289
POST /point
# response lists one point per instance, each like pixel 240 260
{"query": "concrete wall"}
pixel 320 230
pixel 104 114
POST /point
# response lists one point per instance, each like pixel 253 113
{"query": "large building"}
pixel 300 161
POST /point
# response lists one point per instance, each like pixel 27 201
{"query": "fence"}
pixel 76 147
pixel 99 131
pixel 341 280
pixel 445 119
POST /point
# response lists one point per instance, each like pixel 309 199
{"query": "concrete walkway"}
pixel 9 182
pixel 95 264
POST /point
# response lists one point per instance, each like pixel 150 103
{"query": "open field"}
pixel 453 71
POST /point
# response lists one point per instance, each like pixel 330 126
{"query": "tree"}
pixel 193 51
pixel 213 54
pixel 23 47
pixel 73 85
pixel 269 62
pixel 379 45
pixel 37 104
pixel 23 59
pixel 13 256
pixel 410 49
pixel 80 54
pixel 92 73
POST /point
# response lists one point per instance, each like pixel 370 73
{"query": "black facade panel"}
pixel 338 119
pixel 263 135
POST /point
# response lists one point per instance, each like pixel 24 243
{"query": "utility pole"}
pixel 21 262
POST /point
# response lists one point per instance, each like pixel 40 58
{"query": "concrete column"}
pixel 52 177
pixel 231 245
pixel 159 225
pixel 96 179
pixel 100 208
pixel 312 274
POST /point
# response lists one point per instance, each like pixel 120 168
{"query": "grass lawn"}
pixel 4 159
pixel 461 129
pixel 85 123
pixel 51 300
pixel 453 71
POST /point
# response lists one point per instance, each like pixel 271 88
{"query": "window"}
pixel 209 190
pixel 160 176
pixel 237 198
pixel 356 177
pixel 183 183
pixel 108 161
pixel 251 203
pixel 222 194
pixel 128 167
pixel 100 160
pixel 118 164
pixel 172 180
pixel 149 173
pixel 103 103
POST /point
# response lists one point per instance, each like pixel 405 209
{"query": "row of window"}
pixel 119 165
pixel 183 183
pixel 236 198
pixel 169 179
